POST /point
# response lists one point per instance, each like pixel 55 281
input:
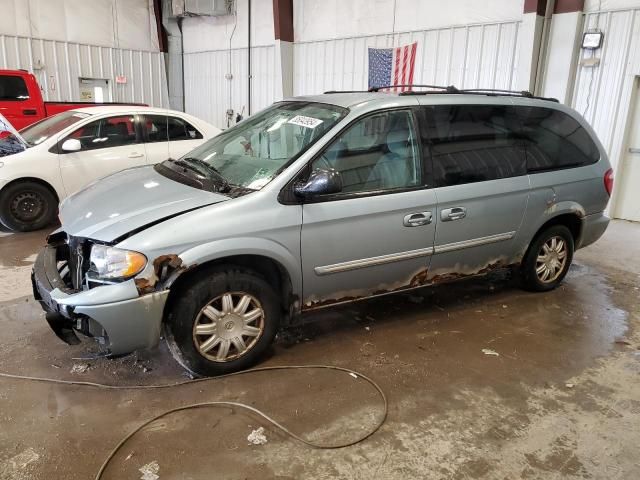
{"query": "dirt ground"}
pixel 561 400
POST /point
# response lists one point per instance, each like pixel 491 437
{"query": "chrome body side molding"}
pixel 421 252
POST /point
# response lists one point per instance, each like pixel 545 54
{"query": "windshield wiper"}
pixel 188 162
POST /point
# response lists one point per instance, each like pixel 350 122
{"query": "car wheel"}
pixel 222 321
pixel 548 259
pixel 27 206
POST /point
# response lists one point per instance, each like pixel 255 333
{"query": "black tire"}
pixel 27 206
pixel 529 277
pixel 200 291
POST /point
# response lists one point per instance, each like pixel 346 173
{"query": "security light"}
pixel 592 40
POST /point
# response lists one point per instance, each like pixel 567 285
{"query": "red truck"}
pixel 21 100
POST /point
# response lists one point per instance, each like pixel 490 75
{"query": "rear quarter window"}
pixel 554 140
pixel 13 88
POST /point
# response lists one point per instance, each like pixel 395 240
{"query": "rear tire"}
pixel 222 321
pixel 27 206
pixel 548 259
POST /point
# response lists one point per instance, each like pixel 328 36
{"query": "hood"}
pixel 129 200
pixel 11 142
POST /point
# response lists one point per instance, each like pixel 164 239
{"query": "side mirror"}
pixel 320 182
pixel 71 145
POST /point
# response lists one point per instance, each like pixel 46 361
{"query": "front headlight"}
pixel 111 262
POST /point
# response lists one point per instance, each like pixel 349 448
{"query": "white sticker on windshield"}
pixel 308 122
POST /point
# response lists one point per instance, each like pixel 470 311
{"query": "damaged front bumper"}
pixel 117 315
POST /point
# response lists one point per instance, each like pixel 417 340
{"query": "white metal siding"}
pixel 474 56
pixel 603 93
pixel 64 63
pixel 208 94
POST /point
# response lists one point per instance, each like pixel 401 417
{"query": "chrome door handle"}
pixel 136 155
pixel 417 219
pixel 455 213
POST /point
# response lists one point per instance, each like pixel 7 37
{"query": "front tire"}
pixel 27 206
pixel 548 259
pixel 222 321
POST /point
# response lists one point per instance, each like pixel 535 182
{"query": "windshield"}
pixel 39 132
pixel 254 151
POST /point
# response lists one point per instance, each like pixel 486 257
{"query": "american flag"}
pixel 392 66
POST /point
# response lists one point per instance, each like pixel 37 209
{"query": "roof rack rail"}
pixel 451 89
pixel 447 89
pixel 345 91
pixel 484 91
pixel 520 93
pixel 511 93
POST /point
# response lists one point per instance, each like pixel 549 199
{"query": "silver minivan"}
pixel 318 201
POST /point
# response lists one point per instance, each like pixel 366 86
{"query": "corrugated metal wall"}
pixel 59 66
pixel 208 94
pixel 603 93
pixel 473 56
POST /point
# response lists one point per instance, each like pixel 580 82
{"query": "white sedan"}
pixel 61 154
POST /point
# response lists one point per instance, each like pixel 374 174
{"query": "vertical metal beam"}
pixel 452 35
pixel 162 34
pixel 90 60
pixel 496 58
pixel 79 60
pixel 283 34
pixel 68 65
pixel 133 83
pixel 531 42
pixel 113 68
pixel 544 43
pixel 45 79
pixel 464 57
pixel 479 68
pixel 152 83
pixel 174 66
pixel 16 44
pixel 537 6
pixel 4 51
pixel 100 62
pixel 283 20
pixel 142 87
pixel 56 66
pixel 512 66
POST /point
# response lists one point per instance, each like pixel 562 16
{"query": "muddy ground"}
pixel 560 400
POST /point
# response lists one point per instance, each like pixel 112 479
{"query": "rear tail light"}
pixel 608 181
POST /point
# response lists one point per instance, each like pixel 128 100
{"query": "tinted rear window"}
pixel 12 88
pixel 554 140
pixel 474 143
